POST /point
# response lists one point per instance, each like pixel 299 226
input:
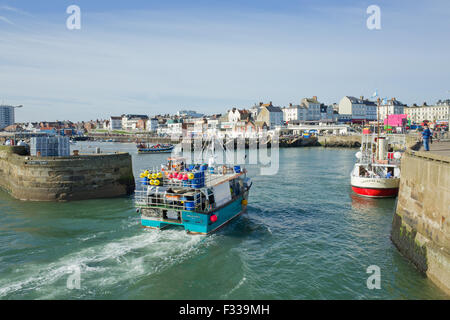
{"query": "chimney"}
pixel 315 98
pixel 260 104
pixel 393 99
pixel 361 97
pixel 270 104
pixel 290 104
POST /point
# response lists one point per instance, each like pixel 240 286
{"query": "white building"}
pixel 310 109
pixel 438 112
pixel 357 110
pixel 152 125
pixel 235 115
pixel 162 130
pixel 175 128
pixel 132 122
pixel 254 111
pixel 292 113
pixel 6 116
pixel 393 106
pixel 115 123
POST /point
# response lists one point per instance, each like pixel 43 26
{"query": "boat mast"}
pixel 378 127
pixel 387 116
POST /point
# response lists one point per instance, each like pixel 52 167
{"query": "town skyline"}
pixel 224 111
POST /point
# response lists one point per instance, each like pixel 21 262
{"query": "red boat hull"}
pixel 376 193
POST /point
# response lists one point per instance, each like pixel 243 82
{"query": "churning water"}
pixel 305 236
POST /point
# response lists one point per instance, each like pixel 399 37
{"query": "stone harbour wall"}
pixel 65 178
pixel 351 141
pixel 421 223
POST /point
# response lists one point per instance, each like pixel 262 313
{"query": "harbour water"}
pixel 305 236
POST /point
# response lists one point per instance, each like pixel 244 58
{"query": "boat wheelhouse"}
pixel 200 198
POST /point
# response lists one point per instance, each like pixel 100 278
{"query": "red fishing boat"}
pixel 376 174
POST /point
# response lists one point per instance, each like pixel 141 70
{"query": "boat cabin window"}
pixel 363 172
pixel 211 197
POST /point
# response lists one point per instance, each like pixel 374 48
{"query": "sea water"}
pixel 304 236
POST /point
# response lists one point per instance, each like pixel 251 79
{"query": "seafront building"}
pixel 293 113
pixel 235 115
pixel 115 123
pixel 6 116
pixel 356 110
pixel 439 112
pixel 133 122
pixel 392 106
pixel 310 109
pixel 152 125
pixel 271 115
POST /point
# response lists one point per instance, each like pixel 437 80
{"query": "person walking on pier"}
pixel 426 134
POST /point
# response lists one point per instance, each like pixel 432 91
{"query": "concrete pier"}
pixel 421 223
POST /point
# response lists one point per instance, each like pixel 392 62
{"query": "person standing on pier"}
pixel 426 134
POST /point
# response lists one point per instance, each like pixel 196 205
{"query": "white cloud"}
pixel 6 20
pixel 15 10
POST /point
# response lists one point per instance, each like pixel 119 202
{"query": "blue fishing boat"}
pixel 157 148
pixel 199 198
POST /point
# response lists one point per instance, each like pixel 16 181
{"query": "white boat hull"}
pixel 375 187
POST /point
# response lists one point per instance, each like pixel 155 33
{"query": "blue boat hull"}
pixel 168 150
pixel 200 223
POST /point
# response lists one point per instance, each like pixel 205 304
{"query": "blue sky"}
pixel 161 56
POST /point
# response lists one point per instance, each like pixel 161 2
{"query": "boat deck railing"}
pixel 169 201
pixel 210 180
pixel 370 158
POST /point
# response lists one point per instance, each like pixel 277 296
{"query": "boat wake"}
pixel 103 267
